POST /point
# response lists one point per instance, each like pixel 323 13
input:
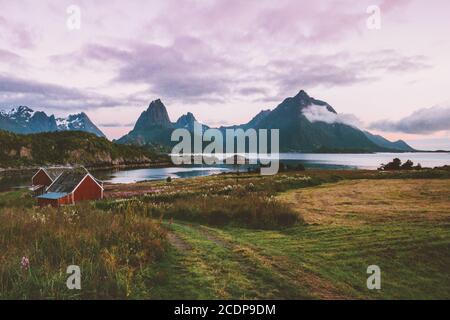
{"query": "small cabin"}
pixel 42 179
pixel 70 187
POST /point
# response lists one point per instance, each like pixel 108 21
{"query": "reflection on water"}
pixel 136 175
pixel 309 160
pixel 12 180
pixel 366 161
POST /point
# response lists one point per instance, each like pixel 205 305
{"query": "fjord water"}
pixel 136 175
pixel 365 160
pixel 309 160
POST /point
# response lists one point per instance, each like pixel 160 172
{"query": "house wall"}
pixel 41 178
pixel 88 190
pixel 47 202
pixel 55 202
pixel 65 200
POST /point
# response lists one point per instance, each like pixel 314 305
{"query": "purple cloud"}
pixel 422 121
pixel 340 69
pixel 9 57
pixel 16 91
pixel 249 91
pixel 186 70
pixel 17 34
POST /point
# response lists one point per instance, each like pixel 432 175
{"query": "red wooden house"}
pixel 42 179
pixel 70 187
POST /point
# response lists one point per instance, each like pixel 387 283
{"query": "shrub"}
pixel 251 211
pixel 408 165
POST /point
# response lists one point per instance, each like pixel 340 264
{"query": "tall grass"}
pixel 251 211
pixel 219 201
pixel 248 210
pixel 111 250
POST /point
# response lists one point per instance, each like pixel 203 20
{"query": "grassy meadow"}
pixel 297 235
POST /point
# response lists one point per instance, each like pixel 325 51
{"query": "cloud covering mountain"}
pixel 320 113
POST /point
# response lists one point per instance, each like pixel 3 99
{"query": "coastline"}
pixel 106 167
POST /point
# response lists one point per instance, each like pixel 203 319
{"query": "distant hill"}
pixel 69 147
pixel 25 120
pixel 385 143
pixel 297 132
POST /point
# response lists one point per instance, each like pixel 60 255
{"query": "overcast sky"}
pixel 227 60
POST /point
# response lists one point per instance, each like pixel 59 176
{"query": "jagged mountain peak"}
pixel 156 104
pixel 293 106
pixel 187 121
pixel 79 121
pixel 186 118
pixel 302 94
pixel 21 109
pixel 79 116
pixel 18 112
pixel 25 120
pixel 155 115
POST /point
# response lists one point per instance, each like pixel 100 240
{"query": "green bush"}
pixel 251 211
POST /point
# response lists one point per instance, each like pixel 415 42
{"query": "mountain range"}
pixel 24 120
pixel 154 127
pixel 298 133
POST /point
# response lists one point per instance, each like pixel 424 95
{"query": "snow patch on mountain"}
pixel 21 113
pixel 25 120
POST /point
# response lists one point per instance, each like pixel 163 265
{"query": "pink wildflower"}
pixel 25 263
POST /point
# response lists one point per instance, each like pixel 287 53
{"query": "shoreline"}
pixel 93 168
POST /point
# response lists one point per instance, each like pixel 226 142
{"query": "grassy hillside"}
pixel 68 147
pixel 401 225
pixel 312 236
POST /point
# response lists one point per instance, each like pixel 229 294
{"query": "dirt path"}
pixel 177 242
pixel 249 257
pixel 290 273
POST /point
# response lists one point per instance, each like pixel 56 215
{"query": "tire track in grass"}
pixel 173 278
pixel 312 284
pixel 177 243
pixel 231 274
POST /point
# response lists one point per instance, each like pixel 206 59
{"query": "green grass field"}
pixel 168 245
pixel 329 258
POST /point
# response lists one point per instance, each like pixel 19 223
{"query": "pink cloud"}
pixel 17 34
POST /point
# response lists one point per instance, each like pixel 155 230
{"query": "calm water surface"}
pixel 309 160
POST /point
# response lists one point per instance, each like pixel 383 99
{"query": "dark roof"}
pixel 53 173
pixel 68 180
